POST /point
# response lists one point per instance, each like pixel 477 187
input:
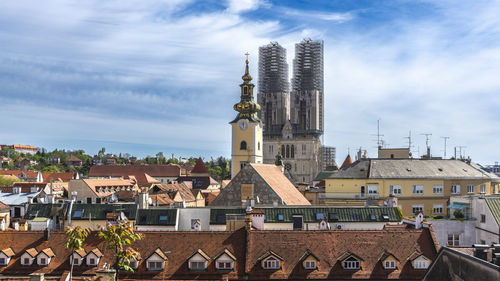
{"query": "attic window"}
pixel 385 217
pixel 333 216
pixel 281 217
pixel 373 217
pixel 78 214
pixel 351 263
pixel 390 264
pixel 220 218
pixel 320 216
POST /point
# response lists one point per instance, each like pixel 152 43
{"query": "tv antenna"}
pixel 445 139
pixel 427 137
pixel 379 136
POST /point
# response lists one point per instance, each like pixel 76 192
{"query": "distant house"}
pixel 260 184
pixel 4 161
pixel 101 190
pixel 28 175
pixel 175 193
pixel 74 161
pixel 199 177
pixel 24 163
pixel 24 149
pixel 162 173
pixel 110 161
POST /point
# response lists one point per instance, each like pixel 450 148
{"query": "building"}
pixel 420 185
pixel 23 149
pixel 28 175
pixel 162 173
pixel 246 146
pixel 293 121
pixel 398 252
pixel 260 184
pixel 479 263
pixel 91 191
pixel 495 169
pixel 327 158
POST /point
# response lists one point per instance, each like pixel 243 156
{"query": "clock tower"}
pixel 246 146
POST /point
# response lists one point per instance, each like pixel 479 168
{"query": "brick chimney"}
pixel 248 219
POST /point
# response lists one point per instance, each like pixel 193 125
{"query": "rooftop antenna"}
pixel 379 136
pixel 427 137
pixel 409 139
pixel 445 139
pixel 460 147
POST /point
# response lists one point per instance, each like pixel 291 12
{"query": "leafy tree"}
pixel 50 169
pixel 75 236
pixel 118 237
pixel 5 181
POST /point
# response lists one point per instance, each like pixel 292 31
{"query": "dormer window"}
pixel 5 256
pixel 28 257
pixel 390 264
pixel 198 261
pixel 320 216
pixel 310 264
pixel 421 262
pixel 351 263
pixel 281 217
pixel 44 257
pixel 271 263
pixel 156 261
pixel 225 260
pixel 93 257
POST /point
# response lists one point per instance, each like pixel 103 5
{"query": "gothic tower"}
pixel 246 144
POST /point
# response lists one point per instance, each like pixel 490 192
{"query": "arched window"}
pixel 243 145
pixel 292 151
pixel 283 150
pixel 287 151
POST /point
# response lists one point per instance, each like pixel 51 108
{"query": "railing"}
pixel 347 195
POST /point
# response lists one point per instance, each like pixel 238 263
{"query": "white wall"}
pixel 488 231
pixel 185 215
pixel 466 229
pixel 155 228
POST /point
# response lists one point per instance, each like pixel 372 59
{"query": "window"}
pixel 304 149
pixel 351 263
pixel 292 151
pixel 271 263
pixel 76 261
pixel 310 264
pixel 390 264
pixel 320 216
pixel 43 261
pixel 395 189
pixel 197 265
pixel 372 189
pixel 455 188
pixel 437 209
pixel 373 217
pixel 26 261
pixel 483 218
pixel 258 145
pixel 78 214
pixel 243 145
pixel 333 216
pixel 3 261
pixel 92 261
pixel 470 188
pixel 418 189
pixel 482 188
pixel 417 208
pixel 155 265
pixel 453 239
pixel 421 264
pixel 98 200
pixel 287 151
pixel 281 217
pixel 89 200
pixel 219 219
pixel 437 189
pixel 224 265
pixel 163 219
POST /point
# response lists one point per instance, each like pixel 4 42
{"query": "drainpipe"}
pixel 69 211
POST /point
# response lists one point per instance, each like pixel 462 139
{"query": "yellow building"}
pixel 424 185
pixel 246 128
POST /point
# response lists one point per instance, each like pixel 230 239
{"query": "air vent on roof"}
pixel 385 217
pixel 333 217
pixel 373 217
pixel 465 170
pixel 440 169
pixel 408 169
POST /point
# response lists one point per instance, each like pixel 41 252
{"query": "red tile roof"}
pixel 273 175
pixel 65 177
pixel 247 247
pixel 348 161
pixel 200 167
pixel 29 173
pixel 126 170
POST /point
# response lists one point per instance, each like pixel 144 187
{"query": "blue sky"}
pixel 148 76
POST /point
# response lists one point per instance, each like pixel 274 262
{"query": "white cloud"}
pixel 238 6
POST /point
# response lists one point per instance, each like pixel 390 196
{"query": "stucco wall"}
pixel 464 228
pixel 185 216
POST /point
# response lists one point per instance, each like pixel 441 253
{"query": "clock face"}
pixel 243 125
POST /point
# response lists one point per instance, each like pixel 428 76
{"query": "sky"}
pixel 145 76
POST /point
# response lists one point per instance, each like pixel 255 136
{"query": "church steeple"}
pixel 247 108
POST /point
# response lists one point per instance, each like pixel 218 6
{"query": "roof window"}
pixel 78 213
pixel 220 218
pixel 408 169
pixel 333 216
pixel 385 217
pixel 163 219
pixel 373 217
pixel 281 217
pixel 320 216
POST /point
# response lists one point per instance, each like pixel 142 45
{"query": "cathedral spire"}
pixel 247 108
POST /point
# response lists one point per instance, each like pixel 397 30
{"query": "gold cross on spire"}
pixel 247 54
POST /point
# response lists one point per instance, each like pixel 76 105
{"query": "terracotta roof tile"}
pixel 29 173
pixel 81 253
pixel 8 252
pixel 48 252
pixel 348 161
pixel 96 252
pixel 32 252
pixel 273 175
pixel 200 167
pixel 65 177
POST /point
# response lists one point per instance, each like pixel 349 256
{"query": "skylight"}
pixel 373 217
pixel 281 217
pixel 78 214
pixel 333 216
pixel 163 219
pixel 320 216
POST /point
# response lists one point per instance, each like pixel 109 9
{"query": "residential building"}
pixel 94 216
pixel 420 185
pixel 398 252
pixel 28 175
pixel 162 173
pixel 495 168
pixel 98 191
pixel 199 177
pixel 24 149
pixel 486 212
pixel 175 194
pixel 74 161
pixel 246 145
pixel 260 184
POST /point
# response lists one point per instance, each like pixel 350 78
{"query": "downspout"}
pixel 69 211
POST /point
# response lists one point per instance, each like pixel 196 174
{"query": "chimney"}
pixel 392 201
pixel 258 219
pixel 37 277
pixel 419 219
pixel 46 234
pixel 105 274
pixel 143 200
pixel 73 195
pixel 248 219
pixel 481 251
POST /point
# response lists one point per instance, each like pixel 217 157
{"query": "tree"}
pixel 7 181
pixel 75 236
pixel 118 237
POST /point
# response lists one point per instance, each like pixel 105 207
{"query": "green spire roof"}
pixel 247 108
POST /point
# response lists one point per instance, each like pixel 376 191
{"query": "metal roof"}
pixel 494 205
pixel 156 217
pixel 15 199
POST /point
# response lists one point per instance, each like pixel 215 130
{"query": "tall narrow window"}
pixel 292 151
pixel 243 145
pixel 287 151
pixel 283 150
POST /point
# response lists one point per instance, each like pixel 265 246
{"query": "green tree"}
pixel 5 181
pixel 75 236
pixel 118 237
